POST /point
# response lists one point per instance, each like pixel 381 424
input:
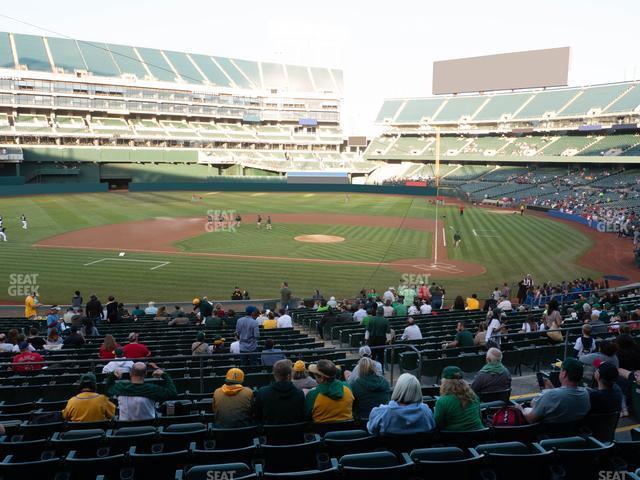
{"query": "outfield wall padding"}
pixel 569 216
pixel 52 188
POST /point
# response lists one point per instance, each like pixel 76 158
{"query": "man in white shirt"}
pixel 412 332
pixel 413 310
pixel 151 309
pixel 284 320
pixel 493 329
pixel 505 304
pixel 359 315
pixel 425 308
pixel 389 311
pixel 388 295
pixel 118 363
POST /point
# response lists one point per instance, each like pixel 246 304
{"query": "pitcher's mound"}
pixel 319 238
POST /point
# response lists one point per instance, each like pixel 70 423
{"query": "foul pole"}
pixel 437 172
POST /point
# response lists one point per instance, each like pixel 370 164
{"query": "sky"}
pixel 385 48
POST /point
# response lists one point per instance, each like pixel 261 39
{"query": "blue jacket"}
pixel 395 419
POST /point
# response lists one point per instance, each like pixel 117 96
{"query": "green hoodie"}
pixel 158 392
pixel 330 402
pixel 369 391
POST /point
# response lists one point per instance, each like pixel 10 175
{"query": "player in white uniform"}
pixel 1 220
pixel 23 219
pixel 3 235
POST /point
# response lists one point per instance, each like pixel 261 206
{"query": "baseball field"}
pixel 159 246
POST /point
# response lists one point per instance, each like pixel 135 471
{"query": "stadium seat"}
pixel 206 472
pixel 601 426
pixel 629 452
pixel 442 462
pixel 498 395
pixel 531 462
pixel 579 456
pixel 18 447
pixel 322 428
pixel 80 465
pixel 121 439
pixel 465 438
pixel 342 442
pixel 523 433
pixel 156 464
pixel 79 440
pixel 234 437
pixel 179 435
pixel 330 473
pixel 285 434
pixel 12 469
pixel 210 455
pixel 376 465
pixel 290 458
pixel 406 443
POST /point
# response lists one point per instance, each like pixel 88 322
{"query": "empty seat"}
pixel 498 395
pixel 123 438
pixel 154 464
pixel 79 440
pixel 100 463
pixel 602 425
pixel 579 456
pixel 442 462
pixel 406 443
pixel 531 462
pixel 467 438
pixel 234 437
pixel 376 465
pixel 291 458
pixel 343 442
pixel 12 469
pixel 285 434
pixel 180 435
pixel 523 433
pixel 210 455
pixel 206 472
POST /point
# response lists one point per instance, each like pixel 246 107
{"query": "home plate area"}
pixel 439 267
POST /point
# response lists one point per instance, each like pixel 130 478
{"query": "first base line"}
pixel 160 264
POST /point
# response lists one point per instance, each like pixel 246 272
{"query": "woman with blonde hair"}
pixel 108 347
pixel 458 408
pixel 405 414
pixel 369 390
pixel 270 322
pixel 479 339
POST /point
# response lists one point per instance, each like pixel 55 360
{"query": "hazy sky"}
pixel 385 48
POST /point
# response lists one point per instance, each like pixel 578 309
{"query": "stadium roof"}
pixel 67 56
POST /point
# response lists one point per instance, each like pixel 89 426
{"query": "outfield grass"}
pixel 507 245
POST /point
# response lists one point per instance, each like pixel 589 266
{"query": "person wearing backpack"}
pixel 585 344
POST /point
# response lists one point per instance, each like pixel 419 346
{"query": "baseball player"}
pixel 269 226
pixel 23 220
pixel 3 235
pixel 259 222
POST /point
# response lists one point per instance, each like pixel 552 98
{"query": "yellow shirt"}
pixel 88 407
pixel 269 324
pixel 29 307
pixel 473 303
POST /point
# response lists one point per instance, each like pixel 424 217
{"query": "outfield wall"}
pixel 52 188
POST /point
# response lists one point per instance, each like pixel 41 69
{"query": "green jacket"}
pixel 378 327
pixel 158 392
pixel 213 322
pixel 369 391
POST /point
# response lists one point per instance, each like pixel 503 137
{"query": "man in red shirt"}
pixel 133 349
pixel 26 356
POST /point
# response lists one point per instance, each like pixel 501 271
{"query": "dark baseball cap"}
pixel 573 367
pixel 452 373
pixel 608 372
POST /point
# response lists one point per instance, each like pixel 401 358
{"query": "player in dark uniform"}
pixel 238 219
pixel 259 221
pixel 457 239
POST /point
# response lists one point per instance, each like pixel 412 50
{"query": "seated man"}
pixel 270 354
pixel 463 337
pixel 331 400
pixel 608 396
pixel 494 376
pixel 88 405
pixel 26 356
pixel 281 402
pixel 233 403
pixel 567 403
pixel 119 362
pixel 412 331
pixel 137 399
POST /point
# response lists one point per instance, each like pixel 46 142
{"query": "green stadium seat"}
pixel 530 461
pixel 376 465
pixel 446 462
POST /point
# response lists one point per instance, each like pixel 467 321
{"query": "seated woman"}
pixel 405 414
pixel 108 347
pixel 458 408
pixel 369 390
pixel 199 347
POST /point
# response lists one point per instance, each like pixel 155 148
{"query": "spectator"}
pixel 5 346
pixel 494 376
pixel 607 398
pixel 135 349
pixel 235 345
pixel 200 347
pixel 606 353
pixel 88 405
pixel 69 315
pixel 285 296
pixel 389 295
pixel 203 308
pixel 567 403
pixel 331 400
pixel 598 327
pixel 369 389
pixel 31 306
pixel 36 341
pixel 108 347
pixel 405 414
pixel 473 303
pixel 230 319
pixel 112 310
pixel 178 317
pixel 218 345
pixel 481 334
pixel 25 356
pixel 301 378
pixel 270 323
pixel 53 321
pixel 76 300
pixel 377 330
pixel 458 303
pixel 458 408
pixel 123 313
pixel 628 350
pixel 233 403
pixel 332 303
pixel 118 363
pixel 236 294
pixel 93 309
pixel 359 314
pixel 284 320
pixel 54 342
pixel 463 337
pixel 388 310
pixel 74 339
pixel 137 311
pixel 399 307
pixel 585 344
pixel 491 336
pixel 213 322
pixel 363 352
pixel 425 308
pixel 248 333
pixel 505 304
pixel 411 331
pixel 281 402
pixel 161 314
pixel 270 354
pixel 137 398
pixel 151 309
pixel 529 325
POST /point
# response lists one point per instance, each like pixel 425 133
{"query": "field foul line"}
pixel 444 237
pixel 160 264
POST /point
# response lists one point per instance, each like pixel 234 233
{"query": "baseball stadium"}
pixel 478 235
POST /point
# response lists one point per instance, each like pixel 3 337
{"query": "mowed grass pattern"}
pixel 539 246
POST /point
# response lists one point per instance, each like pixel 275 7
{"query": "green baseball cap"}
pixel 574 368
pixel 452 373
